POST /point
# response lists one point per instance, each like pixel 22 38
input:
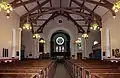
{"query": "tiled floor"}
pixel 61 72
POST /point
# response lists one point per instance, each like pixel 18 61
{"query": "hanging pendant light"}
pixel 27 25
pixel 94 25
pixel 116 6
pixel 85 36
pixel 36 36
pixel 5 6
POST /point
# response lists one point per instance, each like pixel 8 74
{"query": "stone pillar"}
pixel 85 49
pixel 102 44
pixel 108 51
pixel 20 43
pixel 35 48
pixel 13 42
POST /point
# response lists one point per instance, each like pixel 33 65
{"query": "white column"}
pixel 108 51
pixel 34 48
pixel 101 43
pixel 37 48
pixel 75 51
pixel 13 42
pixel 85 49
pixel 20 43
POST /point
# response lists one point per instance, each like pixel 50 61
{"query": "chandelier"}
pixel 4 5
pixel 85 35
pixel 36 36
pixel 94 25
pixel 27 25
pixel 116 6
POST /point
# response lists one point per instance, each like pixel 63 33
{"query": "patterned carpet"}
pixel 61 72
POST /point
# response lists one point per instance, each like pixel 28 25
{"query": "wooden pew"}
pixel 106 75
pixel 79 66
pixel 93 73
pixel 41 68
pixel 18 75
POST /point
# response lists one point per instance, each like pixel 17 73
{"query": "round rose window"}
pixel 60 40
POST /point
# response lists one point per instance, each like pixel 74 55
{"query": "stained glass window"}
pixel 79 43
pixel 60 40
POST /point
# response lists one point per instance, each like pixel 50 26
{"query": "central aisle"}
pixel 61 72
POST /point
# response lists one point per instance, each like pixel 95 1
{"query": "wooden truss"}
pixel 63 11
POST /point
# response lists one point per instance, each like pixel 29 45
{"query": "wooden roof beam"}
pixel 50 3
pixel 24 6
pixel 82 6
pixel 40 29
pixel 39 6
pixel 46 19
pixel 96 6
pixel 70 3
pixel 87 9
pixel 35 8
pixel 80 29
pixel 15 5
pixel 14 2
pixel 23 17
pixel 106 4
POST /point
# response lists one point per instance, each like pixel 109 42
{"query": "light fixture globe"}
pixel 85 35
pixel 5 6
pixel 27 26
pixel 94 26
pixel 36 36
pixel 116 6
pixel 42 41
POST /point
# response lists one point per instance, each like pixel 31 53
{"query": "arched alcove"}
pixel 60 44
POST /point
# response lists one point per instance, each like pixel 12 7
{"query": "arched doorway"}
pixel 60 44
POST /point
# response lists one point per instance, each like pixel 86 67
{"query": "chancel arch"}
pixel 60 44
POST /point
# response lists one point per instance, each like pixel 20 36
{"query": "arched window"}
pixel 79 43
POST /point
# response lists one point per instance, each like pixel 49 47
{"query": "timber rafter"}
pixel 61 10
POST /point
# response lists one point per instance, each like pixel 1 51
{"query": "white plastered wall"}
pixel 114 26
pixel 51 28
pixel 6 32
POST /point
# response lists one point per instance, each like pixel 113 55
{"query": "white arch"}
pixel 64 29
pixel 60 28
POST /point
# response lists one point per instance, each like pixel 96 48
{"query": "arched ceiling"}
pixel 80 12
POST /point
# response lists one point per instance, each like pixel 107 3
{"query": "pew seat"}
pixel 17 75
pixel 108 75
